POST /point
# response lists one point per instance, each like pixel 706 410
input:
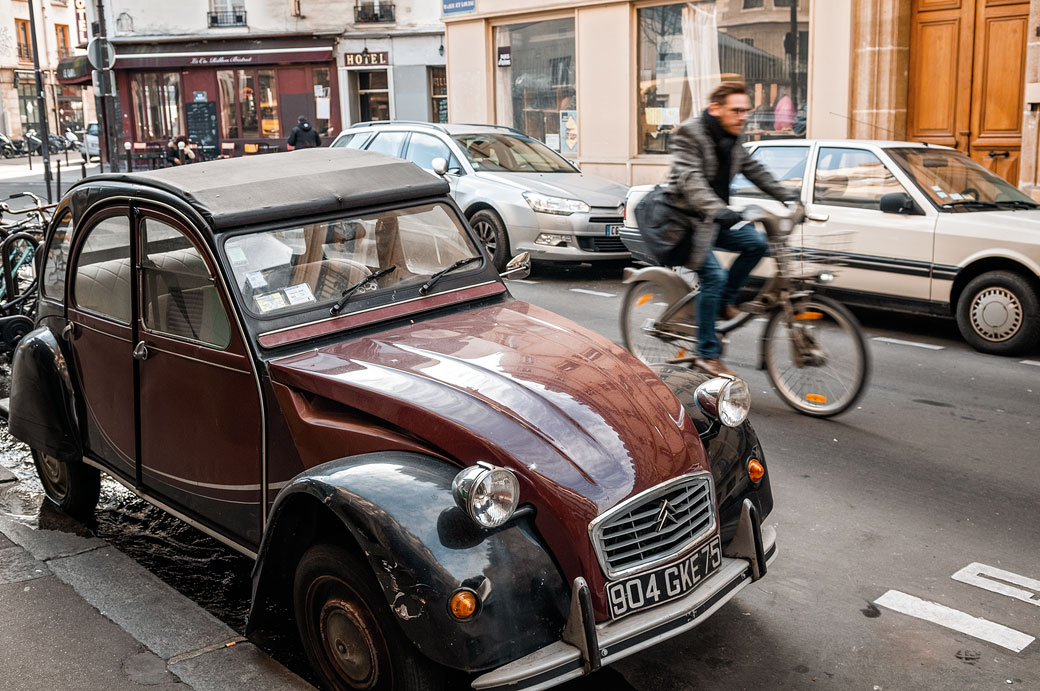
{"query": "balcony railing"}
pixel 64 51
pixel 233 18
pixel 371 12
pixel 24 51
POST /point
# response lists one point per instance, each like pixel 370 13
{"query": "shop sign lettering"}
pixel 456 6
pixel 505 57
pixel 223 60
pixel 82 28
pixel 366 59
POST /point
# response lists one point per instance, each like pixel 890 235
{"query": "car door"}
pixel 888 254
pixel 201 421
pixel 98 316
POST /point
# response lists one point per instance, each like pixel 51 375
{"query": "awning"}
pixel 233 53
pixel 74 69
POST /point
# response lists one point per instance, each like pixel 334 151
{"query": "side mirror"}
pixel 440 165
pixel 898 203
pixel 518 267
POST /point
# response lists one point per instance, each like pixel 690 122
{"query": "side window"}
pixel 852 177
pixel 102 276
pixel 423 148
pixel 388 143
pixel 56 263
pixel 785 163
pixel 352 141
pixel 178 294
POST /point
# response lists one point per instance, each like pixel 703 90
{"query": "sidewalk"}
pixel 77 614
pixel 16 176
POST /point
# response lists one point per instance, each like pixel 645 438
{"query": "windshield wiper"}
pixel 970 202
pixel 425 287
pixel 357 286
pixel 1017 204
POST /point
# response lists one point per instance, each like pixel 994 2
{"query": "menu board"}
pixel 201 120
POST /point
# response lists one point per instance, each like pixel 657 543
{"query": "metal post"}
pixel 57 191
pixel 794 56
pixel 109 122
pixel 129 161
pixel 41 104
pixel 83 163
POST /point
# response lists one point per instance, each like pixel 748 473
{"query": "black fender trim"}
pixel 43 403
pixel 397 509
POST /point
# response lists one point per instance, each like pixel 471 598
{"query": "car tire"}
pixel 348 632
pixel 999 313
pixel 492 234
pixel 72 487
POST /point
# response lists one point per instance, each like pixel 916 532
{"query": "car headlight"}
pixel 486 493
pixel 555 205
pixel 724 398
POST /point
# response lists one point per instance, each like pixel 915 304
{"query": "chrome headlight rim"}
pixel 466 489
pixel 558 206
pixel 720 399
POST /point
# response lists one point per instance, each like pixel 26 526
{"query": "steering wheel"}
pixel 972 191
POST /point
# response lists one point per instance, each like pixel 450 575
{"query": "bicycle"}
pixel 812 347
pixel 19 242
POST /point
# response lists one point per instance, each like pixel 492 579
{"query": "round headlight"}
pixel 487 494
pixel 734 403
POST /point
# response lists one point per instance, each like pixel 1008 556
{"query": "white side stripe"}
pixel 593 292
pixel 1034 363
pixel 996 580
pixel 983 629
pixel 896 341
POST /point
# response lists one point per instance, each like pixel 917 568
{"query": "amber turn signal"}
pixel 463 604
pixel 755 470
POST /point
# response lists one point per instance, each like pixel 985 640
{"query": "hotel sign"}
pixel 82 25
pixel 370 59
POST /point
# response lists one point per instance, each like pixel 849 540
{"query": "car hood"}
pixel 582 422
pixel 591 189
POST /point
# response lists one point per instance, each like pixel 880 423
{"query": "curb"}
pixel 194 645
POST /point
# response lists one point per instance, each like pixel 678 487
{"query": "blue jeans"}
pixel 719 287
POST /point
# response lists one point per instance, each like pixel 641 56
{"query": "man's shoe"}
pixel 731 312
pixel 713 366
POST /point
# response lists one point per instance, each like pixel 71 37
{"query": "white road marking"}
pixel 593 292
pixel 896 341
pixel 983 629
pixel 523 280
pixel 1034 363
pixel 996 580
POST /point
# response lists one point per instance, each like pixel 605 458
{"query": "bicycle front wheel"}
pixel 641 330
pixel 817 358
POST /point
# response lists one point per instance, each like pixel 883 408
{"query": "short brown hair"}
pixel 726 89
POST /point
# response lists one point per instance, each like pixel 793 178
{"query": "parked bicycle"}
pixel 812 348
pixel 19 242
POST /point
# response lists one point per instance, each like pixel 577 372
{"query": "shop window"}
pixel 322 98
pixel 249 104
pixel 157 105
pixel 27 104
pixel 62 34
pixel 70 108
pixel 21 31
pixel 535 80
pixel 439 93
pixel 682 55
pixel 373 95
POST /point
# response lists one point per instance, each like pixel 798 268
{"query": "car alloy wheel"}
pixel 492 235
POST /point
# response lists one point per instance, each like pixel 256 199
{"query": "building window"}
pixel 227 13
pixel 373 11
pixel 27 105
pixel 249 104
pixel 295 9
pixel 62 33
pixel 70 108
pixel 322 99
pixel 684 51
pixel 535 78
pixel 439 93
pixel 373 95
pixel 752 4
pixel 157 105
pixel 21 31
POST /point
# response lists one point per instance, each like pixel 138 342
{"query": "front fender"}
pixel 398 509
pixel 43 410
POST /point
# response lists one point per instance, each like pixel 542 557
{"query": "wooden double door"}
pixel 967 78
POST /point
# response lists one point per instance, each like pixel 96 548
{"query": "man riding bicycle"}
pixel 707 153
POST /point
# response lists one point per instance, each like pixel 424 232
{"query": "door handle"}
pixel 999 154
pixel 69 331
pixel 819 218
pixel 141 351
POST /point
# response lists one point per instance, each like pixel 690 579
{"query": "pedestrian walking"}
pixel 303 136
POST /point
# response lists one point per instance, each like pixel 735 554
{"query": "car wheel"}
pixel 492 234
pixel 72 487
pixel 998 312
pixel 348 631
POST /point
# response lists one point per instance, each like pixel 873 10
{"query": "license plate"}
pixel 612 230
pixel 664 584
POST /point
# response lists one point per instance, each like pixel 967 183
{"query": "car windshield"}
pixel 511 153
pixel 306 266
pixel 955 182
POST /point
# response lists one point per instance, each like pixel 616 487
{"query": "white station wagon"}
pixel 931 231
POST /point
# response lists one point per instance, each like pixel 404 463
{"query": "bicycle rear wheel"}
pixel 641 308
pixel 818 359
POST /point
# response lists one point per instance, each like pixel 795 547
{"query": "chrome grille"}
pixel 655 526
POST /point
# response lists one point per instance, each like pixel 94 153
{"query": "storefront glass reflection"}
pixel 535 77
pixel 157 105
pixel 373 95
pixel 684 50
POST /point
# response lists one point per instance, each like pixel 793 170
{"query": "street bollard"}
pixel 57 192
pixel 129 159
pixel 83 166
pixel 30 159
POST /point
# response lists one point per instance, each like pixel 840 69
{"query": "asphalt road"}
pixel 933 471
